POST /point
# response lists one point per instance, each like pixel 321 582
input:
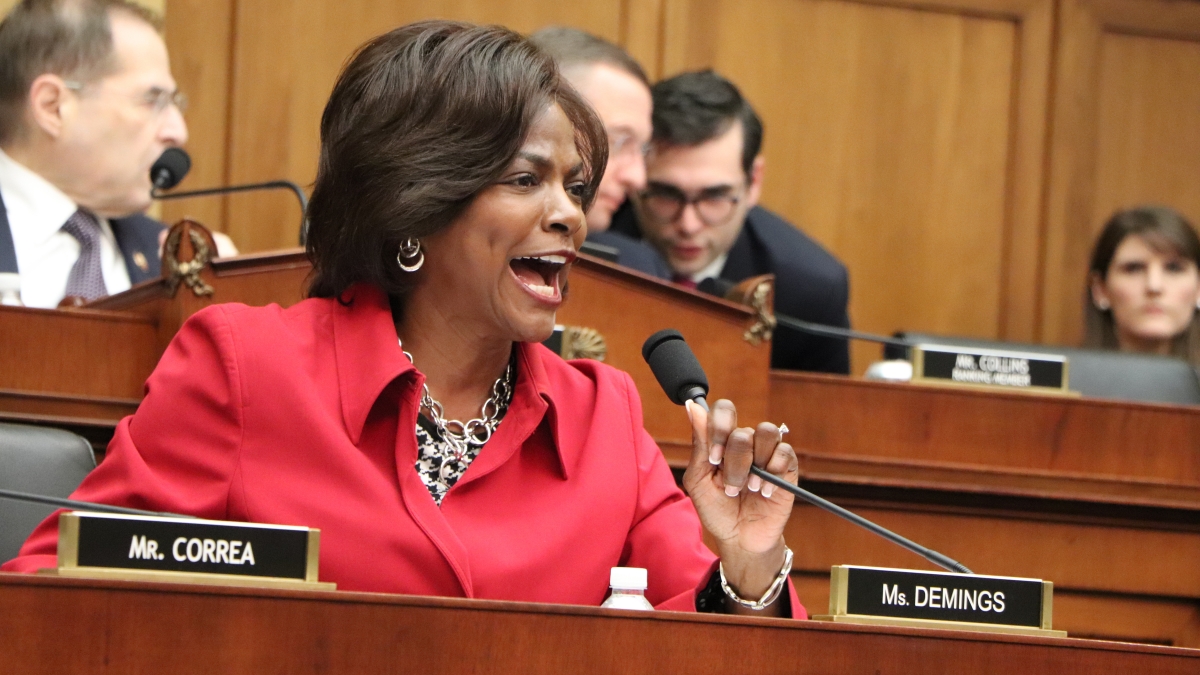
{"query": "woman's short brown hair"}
pixel 420 121
pixel 1164 230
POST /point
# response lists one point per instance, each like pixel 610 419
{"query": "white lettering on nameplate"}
pixel 212 551
pixel 956 598
pixel 893 596
pixel 142 548
pixel 1002 370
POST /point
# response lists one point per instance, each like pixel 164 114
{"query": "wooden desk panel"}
pixel 1100 497
pixel 82 627
pixel 1045 445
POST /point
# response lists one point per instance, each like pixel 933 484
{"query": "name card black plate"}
pixel 989 368
pixel 194 546
pixel 940 597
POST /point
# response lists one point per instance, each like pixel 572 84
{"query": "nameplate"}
pixel 184 549
pixel 990 368
pixel 883 596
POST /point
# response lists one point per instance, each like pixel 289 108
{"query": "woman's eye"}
pixel 525 180
pixel 1132 267
pixel 1176 267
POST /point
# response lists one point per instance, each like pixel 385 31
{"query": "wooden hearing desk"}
pixel 84 627
pixel 1100 497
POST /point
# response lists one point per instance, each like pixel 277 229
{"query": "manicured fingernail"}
pixel 754 484
pixel 732 490
pixel 768 490
pixel 715 454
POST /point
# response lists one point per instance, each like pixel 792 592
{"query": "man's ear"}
pixel 50 104
pixel 754 189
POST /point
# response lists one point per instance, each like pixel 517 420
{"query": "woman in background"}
pixel 1144 283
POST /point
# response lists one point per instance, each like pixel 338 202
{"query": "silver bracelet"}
pixel 772 593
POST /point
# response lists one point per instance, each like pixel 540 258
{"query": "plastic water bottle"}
pixel 628 589
pixel 10 289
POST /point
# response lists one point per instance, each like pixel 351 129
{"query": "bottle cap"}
pixel 628 578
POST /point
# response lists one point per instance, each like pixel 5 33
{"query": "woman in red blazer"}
pixel 454 174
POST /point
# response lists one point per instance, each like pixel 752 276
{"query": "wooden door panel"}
pixel 899 137
pixel 285 61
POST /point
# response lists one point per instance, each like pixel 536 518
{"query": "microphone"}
pixel 81 506
pixel 719 287
pixel 681 376
pixel 174 163
pixel 170 168
pixel 675 367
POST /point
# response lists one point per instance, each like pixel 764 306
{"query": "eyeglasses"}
pixel 625 145
pixel 155 98
pixel 666 203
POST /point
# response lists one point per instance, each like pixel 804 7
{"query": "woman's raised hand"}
pixel 745 514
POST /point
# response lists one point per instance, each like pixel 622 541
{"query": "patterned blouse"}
pixel 436 462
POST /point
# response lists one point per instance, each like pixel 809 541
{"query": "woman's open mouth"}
pixel 541 275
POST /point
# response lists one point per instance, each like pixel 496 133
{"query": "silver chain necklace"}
pixel 461 435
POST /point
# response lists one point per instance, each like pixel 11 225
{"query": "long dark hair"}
pixel 420 120
pixel 1164 230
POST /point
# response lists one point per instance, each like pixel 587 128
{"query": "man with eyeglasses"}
pixel 87 104
pixel 618 90
pixel 700 210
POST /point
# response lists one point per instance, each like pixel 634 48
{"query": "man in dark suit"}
pixel 617 88
pixel 700 210
pixel 87 104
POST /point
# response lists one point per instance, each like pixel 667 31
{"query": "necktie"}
pixel 684 280
pixel 86 279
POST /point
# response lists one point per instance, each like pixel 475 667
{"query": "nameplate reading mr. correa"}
pixel 935 599
pixel 128 546
pixel 993 368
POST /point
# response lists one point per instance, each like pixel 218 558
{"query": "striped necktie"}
pixel 86 279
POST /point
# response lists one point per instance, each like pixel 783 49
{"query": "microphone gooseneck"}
pixel 719 287
pixel 174 163
pixel 677 370
pixel 81 506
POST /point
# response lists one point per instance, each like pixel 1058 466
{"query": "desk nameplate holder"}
pixel 990 369
pixel 879 596
pixel 187 550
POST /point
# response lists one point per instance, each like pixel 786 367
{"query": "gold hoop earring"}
pixel 410 257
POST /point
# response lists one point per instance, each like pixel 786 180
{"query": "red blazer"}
pixel 306 416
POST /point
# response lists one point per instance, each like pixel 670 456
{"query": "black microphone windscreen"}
pixel 674 365
pixel 170 168
pixel 715 286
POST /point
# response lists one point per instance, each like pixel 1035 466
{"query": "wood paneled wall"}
pixel 958 155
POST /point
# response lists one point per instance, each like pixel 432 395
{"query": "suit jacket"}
pixel 137 237
pixel 307 416
pixel 633 253
pixel 810 284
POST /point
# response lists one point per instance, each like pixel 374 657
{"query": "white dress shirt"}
pixel 46 254
pixel 713 269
